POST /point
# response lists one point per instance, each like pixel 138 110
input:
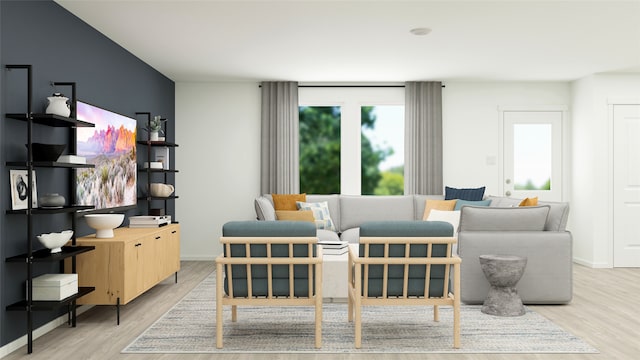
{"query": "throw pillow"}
pixel 474 194
pixel 529 201
pixel 320 213
pixel 437 205
pixel 297 215
pixel 452 217
pixel 460 203
pixel 264 209
pixel 287 201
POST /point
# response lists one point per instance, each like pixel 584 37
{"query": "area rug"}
pixel 189 327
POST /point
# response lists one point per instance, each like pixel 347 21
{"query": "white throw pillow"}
pixel 452 217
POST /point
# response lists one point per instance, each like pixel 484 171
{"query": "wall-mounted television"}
pixel 111 147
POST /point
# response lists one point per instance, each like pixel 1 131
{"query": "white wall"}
pixel 472 128
pixel 592 138
pixel 218 130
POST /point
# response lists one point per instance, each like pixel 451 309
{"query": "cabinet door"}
pixel 134 281
pixel 102 268
pixel 172 254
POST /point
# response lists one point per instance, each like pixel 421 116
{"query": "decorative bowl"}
pixel 55 241
pixel 104 223
pixel 46 152
pixel 52 201
pixel 160 190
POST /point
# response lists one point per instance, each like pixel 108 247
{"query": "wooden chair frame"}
pixel 360 265
pixel 313 262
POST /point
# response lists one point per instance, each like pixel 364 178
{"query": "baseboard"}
pixel 22 341
pixel 591 264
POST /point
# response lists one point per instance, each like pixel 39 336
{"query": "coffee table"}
pixel 503 273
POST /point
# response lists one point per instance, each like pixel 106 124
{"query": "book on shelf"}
pixel 149 221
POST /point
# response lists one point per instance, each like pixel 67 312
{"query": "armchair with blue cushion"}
pixel 269 263
pixel 404 263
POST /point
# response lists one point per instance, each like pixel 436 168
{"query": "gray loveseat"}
pixel 547 278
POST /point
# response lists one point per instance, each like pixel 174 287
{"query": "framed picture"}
pixel 19 188
pixel 161 154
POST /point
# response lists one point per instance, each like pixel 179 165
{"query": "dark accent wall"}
pixel 61 48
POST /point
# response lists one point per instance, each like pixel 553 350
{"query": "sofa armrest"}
pixel 547 278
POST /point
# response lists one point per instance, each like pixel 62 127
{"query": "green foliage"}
pixel 531 186
pixel 392 183
pixel 320 150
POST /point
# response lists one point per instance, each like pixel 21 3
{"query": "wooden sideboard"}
pixel 125 266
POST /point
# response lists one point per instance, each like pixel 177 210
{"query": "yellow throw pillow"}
pixel 301 215
pixel 444 205
pixel 287 201
pixel 529 201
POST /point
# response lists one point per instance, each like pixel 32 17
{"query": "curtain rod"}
pixel 351 86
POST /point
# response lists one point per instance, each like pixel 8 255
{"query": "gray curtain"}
pixel 279 167
pixel 423 138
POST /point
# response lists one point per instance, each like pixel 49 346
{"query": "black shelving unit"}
pixel 30 257
pixel 150 173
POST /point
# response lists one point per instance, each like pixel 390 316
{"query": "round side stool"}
pixel 503 273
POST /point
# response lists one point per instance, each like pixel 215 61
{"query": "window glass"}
pixel 320 149
pixel 532 156
pixel 382 150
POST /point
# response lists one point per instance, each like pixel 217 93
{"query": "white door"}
pixel 532 154
pixel 626 182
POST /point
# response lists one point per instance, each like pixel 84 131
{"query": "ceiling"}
pixel 369 41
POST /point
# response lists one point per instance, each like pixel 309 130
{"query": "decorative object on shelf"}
pixel 55 241
pixel 58 105
pixel 161 154
pixel 155 128
pixel 52 201
pixel 19 189
pixel 104 223
pixel 54 287
pixel 152 165
pixel 160 190
pixel 72 159
pixel 46 152
pixel 149 221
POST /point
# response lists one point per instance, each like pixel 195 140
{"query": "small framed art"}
pixel 19 188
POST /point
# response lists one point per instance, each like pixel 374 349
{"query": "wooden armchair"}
pixel 404 263
pixel 270 263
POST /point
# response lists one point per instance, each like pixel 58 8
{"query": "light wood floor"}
pixel 605 312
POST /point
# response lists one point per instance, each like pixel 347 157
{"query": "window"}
pixel 351 140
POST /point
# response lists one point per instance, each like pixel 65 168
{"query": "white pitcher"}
pixel 58 105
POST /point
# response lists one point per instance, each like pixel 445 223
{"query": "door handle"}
pixel 508 181
pixel 508 193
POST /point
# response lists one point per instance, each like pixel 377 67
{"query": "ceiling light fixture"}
pixel 420 31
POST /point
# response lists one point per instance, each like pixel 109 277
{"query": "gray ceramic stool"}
pixel 503 273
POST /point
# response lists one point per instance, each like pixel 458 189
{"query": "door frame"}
pixel 611 102
pixel 565 146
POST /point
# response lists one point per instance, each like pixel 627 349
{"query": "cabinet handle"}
pixel 138 244
pixel 173 232
pixel 158 237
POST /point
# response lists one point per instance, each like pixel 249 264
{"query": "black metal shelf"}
pixel 157 143
pixel 56 210
pixel 51 120
pixel 45 255
pixel 158 170
pixel 50 164
pixel 148 198
pixel 49 305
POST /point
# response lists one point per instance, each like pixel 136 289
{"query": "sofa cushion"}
pixel 419 202
pixel 320 213
pixel 482 218
pixel 533 201
pixel 298 215
pixel 558 213
pixel 356 209
pixel 474 194
pixel 264 209
pixel 334 206
pixel 287 201
pixel 352 236
pixel 446 205
pixel 452 217
pixel 461 203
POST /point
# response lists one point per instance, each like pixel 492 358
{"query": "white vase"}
pixel 153 136
pixel 58 105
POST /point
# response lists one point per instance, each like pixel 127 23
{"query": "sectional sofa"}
pixel 538 232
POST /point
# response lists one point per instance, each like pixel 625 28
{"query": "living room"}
pixel 216 117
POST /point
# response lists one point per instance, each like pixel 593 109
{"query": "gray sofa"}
pixel 548 275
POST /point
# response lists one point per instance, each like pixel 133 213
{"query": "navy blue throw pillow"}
pixel 464 194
